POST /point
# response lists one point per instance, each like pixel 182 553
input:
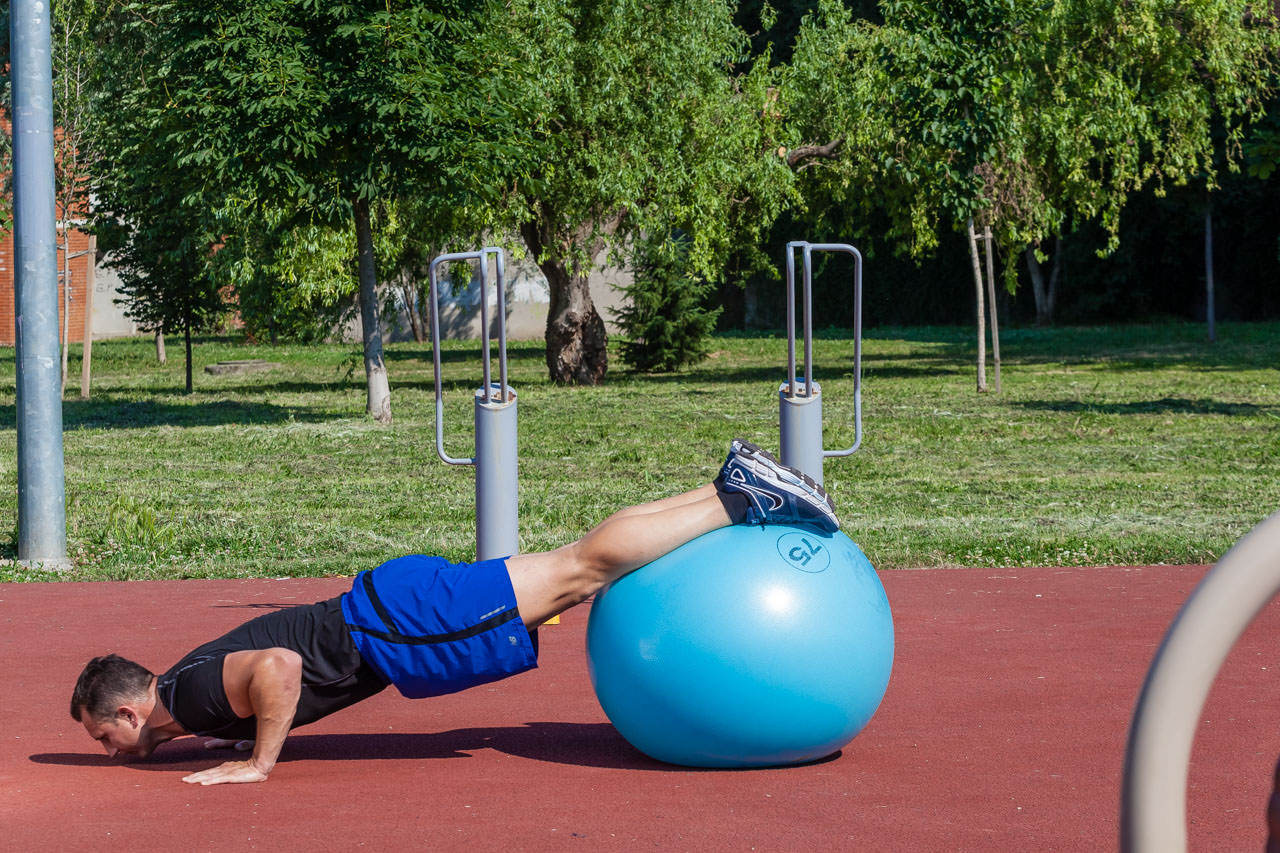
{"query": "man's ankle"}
pixel 736 505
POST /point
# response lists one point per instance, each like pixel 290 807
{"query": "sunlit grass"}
pixel 1131 445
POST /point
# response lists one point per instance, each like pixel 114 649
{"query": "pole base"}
pixel 48 564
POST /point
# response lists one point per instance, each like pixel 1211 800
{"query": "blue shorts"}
pixel 432 627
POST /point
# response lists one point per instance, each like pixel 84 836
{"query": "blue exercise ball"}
pixel 751 646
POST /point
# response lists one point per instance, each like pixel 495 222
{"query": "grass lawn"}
pixel 1131 445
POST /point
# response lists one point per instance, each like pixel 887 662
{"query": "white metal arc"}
pixel 1153 813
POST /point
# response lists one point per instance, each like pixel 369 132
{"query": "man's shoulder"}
pixel 192 692
pixel 189 663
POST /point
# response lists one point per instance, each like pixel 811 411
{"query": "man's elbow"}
pixel 280 668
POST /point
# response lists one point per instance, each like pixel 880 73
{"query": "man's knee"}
pixel 574 572
pixel 548 583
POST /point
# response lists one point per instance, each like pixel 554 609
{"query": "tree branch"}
pixel 798 157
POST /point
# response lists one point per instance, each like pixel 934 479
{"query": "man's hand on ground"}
pixel 232 771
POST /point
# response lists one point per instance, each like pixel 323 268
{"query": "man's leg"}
pixel 753 487
pixel 550 582
pixel 670 502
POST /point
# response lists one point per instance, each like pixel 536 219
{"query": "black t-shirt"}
pixel 333 673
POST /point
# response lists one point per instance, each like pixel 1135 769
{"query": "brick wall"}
pixel 79 273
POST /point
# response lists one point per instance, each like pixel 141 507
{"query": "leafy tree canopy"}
pixel 643 124
pixel 320 103
pixel 320 108
pixel 1031 116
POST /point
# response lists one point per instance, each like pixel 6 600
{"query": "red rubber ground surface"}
pixel 1003 730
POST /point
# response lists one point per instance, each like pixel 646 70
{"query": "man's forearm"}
pixel 273 728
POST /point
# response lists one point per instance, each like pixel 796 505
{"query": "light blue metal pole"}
pixel 800 403
pixel 495 460
pixel 42 523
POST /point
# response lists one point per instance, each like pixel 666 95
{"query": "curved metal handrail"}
pixel 481 255
pixel 1153 812
pixel 807 302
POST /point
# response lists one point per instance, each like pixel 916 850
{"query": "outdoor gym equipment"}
pixel 800 403
pixel 1153 816
pixel 495 460
pixel 720 653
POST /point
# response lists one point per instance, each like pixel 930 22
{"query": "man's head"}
pixel 112 700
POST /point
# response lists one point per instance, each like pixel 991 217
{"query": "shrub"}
pixel 665 323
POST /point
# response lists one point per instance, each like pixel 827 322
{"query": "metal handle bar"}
pixel 483 257
pixel 807 296
pixel 1153 816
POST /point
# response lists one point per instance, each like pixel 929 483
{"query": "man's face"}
pixel 120 735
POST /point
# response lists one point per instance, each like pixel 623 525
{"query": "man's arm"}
pixel 262 683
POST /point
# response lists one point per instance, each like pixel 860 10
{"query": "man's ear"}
pixel 129 715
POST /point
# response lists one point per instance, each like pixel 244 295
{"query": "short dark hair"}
pixel 106 683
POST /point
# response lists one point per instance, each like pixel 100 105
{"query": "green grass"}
pixel 1130 445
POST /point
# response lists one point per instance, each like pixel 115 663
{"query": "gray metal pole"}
pixel 497 500
pixel 42 523
pixel 1153 809
pixel 495 460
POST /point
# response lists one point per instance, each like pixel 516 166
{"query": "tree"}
pixel 642 125
pixel 666 323
pixel 74 55
pixel 410 233
pixel 327 109
pixel 1044 290
pixel 1173 89
pixel 291 278
pixel 1262 150
pixel 295 278
pixel 152 217
pixel 162 258
pixel 1029 117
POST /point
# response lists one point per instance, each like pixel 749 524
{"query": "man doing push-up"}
pixel 427 626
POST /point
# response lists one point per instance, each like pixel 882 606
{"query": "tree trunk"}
pixel 576 337
pixel 379 391
pixel 1055 274
pixel 1044 308
pixel 751 305
pixel 186 333
pixel 991 299
pixel 1046 294
pixel 66 303
pixel 982 320
pixel 89 283
pixel 1210 309
pixel 413 308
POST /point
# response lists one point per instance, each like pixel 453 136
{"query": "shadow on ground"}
pixel 1165 405
pixel 579 744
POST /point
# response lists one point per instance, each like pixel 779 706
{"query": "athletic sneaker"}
pixel 776 493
